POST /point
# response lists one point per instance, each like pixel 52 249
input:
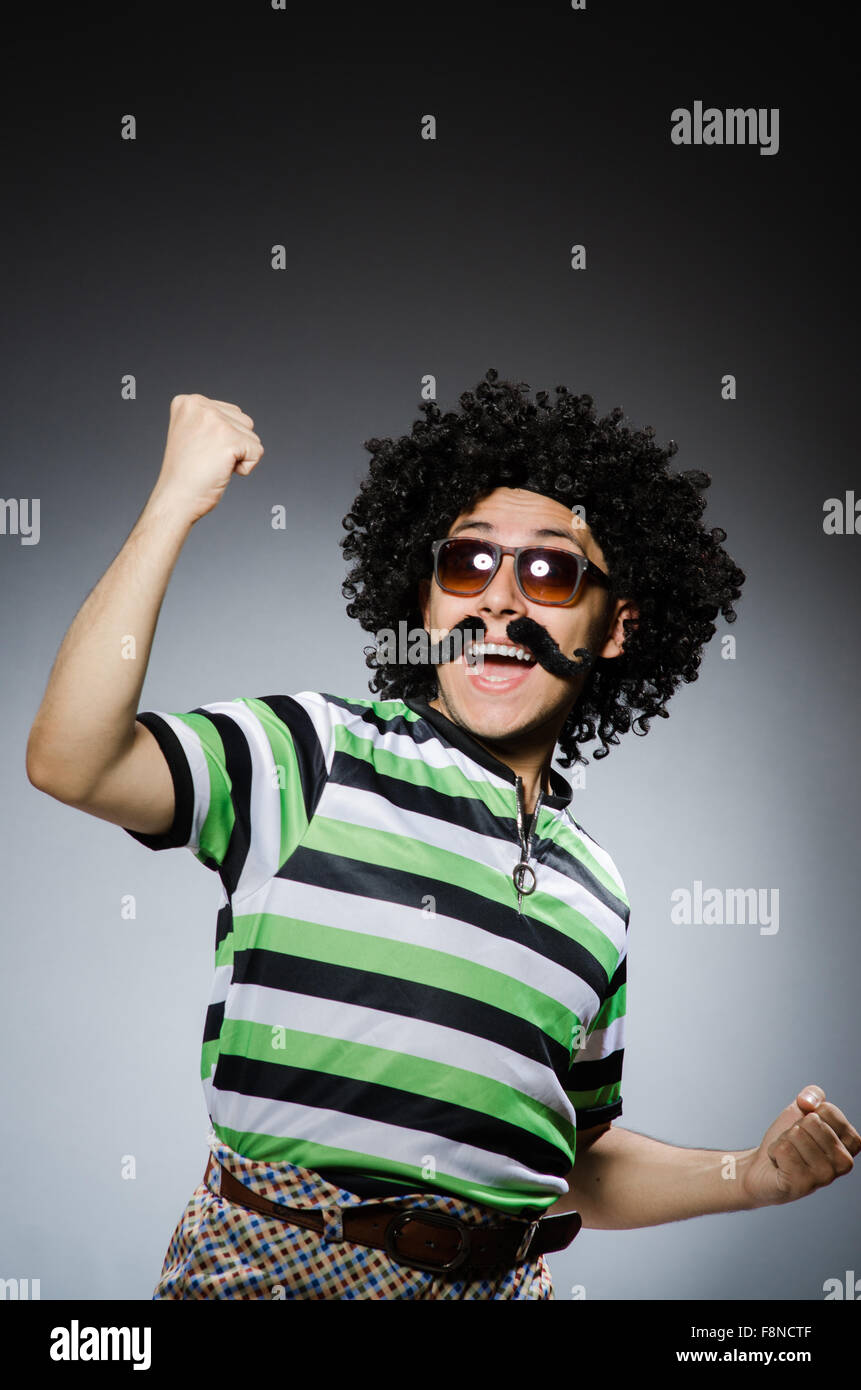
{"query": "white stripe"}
pixel 599 854
pixel 603 1041
pixel 336 1129
pixel 413 1037
pixel 264 853
pixel 320 711
pixel 221 983
pixel 359 807
pixel 199 769
pixel 395 922
pixel 432 751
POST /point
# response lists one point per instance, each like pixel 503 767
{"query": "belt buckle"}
pixel 432 1218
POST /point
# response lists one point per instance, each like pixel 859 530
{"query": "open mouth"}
pixel 498 654
pixel 497 663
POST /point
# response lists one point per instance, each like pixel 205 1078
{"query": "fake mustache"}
pixel 524 632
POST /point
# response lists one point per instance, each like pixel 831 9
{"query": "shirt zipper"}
pixel 523 873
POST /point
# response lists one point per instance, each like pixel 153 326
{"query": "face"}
pixel 501 699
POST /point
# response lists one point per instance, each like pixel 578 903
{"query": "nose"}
pixel 502 594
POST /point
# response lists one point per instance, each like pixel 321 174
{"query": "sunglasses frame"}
pixel 584 567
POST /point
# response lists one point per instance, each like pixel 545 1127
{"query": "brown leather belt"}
pixel 420 1239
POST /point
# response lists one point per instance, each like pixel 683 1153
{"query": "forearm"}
pixel 626 1180
pixel 86 718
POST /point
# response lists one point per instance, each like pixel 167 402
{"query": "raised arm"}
pixel 85 748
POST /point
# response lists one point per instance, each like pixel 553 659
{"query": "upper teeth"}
pixel 494 649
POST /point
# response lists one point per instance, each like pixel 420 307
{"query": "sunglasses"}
pixel 544 574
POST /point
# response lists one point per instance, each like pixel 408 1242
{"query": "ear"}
pixel 615 640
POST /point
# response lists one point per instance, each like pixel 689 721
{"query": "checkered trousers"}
pixel 220 1250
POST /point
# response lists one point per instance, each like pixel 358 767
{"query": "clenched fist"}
pixel 809 1145
pixel 207 442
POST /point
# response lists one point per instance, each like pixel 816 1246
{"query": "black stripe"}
pixel 309 755
pixel 457 737
pixel 390 1105
pixel 590 1076
pixel 354 876
pixel 415 730
pixel 213 1021
pixel 598 1115
pixel 620 977
pixel 406 998
pixel 472 813
pixel 363 1186
pixel 223 924
pixel 183 787
pixel 555 856
pixel 237 761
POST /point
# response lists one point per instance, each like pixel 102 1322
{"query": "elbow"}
pixel 35 773
pixel 45 778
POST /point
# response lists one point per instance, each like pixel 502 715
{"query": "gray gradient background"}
pixel 408 257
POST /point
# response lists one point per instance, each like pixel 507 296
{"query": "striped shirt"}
pixel 382 1010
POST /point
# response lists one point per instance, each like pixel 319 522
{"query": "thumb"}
pixel 809 1098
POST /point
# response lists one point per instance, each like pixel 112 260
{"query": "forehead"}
pixel 518 512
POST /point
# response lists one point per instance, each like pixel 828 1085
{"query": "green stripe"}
pixel 611 1009
pixel 428 862
pixel 294 820
pixel 388 850
pixel 573 924
pixel 402 961
pixel 218 826
pixel 563 832
pixel 386 709
pixel 419 1076
pixel 590 1100
pixel 303 1153
pixel 416 772
pixel 208 1058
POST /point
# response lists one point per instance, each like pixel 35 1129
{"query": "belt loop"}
pixel 212 1176
pixel 333 1225
pixel 528 1236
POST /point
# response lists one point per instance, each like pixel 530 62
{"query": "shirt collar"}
pixel 558 797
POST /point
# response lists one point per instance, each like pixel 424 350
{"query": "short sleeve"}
pixel 595 1075
pixel 247 776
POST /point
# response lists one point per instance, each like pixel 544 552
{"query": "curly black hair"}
pixel 647 521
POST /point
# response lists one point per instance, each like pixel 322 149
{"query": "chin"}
pixel 489 718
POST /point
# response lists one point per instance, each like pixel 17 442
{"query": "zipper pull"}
pixel 523 873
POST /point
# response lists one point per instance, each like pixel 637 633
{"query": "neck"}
pixel 529 756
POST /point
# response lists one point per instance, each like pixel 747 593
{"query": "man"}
pixel 417 1017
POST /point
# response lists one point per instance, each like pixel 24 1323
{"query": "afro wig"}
pixel 646 519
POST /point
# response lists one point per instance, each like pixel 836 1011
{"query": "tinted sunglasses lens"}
pixel 463 566
pixel 550 576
